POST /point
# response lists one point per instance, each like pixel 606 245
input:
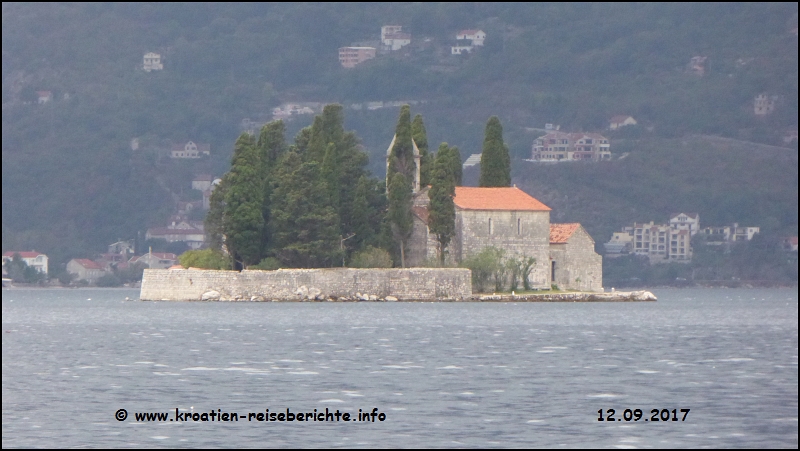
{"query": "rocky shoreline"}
pixel 314 295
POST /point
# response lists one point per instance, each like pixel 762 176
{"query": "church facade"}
pixel 510 219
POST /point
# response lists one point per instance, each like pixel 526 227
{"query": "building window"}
pixel 553 271
pixel 491 227
pixel 519 226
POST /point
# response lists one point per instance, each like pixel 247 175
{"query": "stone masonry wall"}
pixel 295 284
pixel 522 233
pixel 578 266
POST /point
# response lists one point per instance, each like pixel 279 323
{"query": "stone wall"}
pixel 577 265
pixel 300 284
pixel 521 233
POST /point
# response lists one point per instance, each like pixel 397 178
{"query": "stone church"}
pixel 509 219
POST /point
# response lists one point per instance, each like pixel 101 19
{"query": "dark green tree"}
pixel 495 160
pixel 399 214
pixel 304 225
pixel 362 214
pixel 453 156
pixel 401 156
pixel 442 209
pixel 420 137
pixel 271 145
pixel 243 220
pixel 215 233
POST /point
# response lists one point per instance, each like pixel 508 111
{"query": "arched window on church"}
pixel 519 226
pixel 491 227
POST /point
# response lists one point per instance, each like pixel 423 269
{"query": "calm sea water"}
pixel 445 375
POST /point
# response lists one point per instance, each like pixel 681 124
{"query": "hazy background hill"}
pixel 71 183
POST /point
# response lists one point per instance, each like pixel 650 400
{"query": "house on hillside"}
pixel 764 104
pixel 35 260
pixel 393 38
pixel 685 221
pixel 476 37
pixel 559 146
pixel 190 150
pixel 460 49
pixel 44 97
pixel 156 260
pixel 472 160
pixel 621 243
pixel 121 247
pixel 719 235
pixel 202 182
pixel 621 121
pixel 697 65
pixel 179 228
pixel 353 56
pixel 85 269
pixel 152 61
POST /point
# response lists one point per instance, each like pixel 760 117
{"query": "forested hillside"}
pixel 72 184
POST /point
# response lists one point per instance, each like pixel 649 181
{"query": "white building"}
pixel 685 221
pixel 36 260
pixel 560 146
pixel 152 61
pixel 475 36
pixel 617 122
pixel 473 159
pixel 85 269
pixel 202 182
pixel 460 49
pixel 190 150
pixel 392 36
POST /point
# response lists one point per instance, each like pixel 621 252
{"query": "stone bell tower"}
pixel 415 185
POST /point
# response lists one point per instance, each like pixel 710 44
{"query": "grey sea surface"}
pixel 444 374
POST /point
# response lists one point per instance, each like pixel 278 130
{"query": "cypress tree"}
pixel 453 158
pixel 426 159
pixel 399 214
pixel 271 145
pixel 305 225
pixel 362 214
pixel 243 221
pixel 401 157
pixel 495 160
pixel 442 209
pixel 213 223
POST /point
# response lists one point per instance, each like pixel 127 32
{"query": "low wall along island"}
pixel 346 284
pixel 342 284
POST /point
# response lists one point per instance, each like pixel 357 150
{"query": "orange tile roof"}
pixel 471 198
pixel 560 233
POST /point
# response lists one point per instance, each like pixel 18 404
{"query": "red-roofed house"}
pixel 476 36
pixel 85 269
pixel 573 262
pixel 33 259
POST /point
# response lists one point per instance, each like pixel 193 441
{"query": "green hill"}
pixel 71 183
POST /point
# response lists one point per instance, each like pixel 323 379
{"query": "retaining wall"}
pixel 299 284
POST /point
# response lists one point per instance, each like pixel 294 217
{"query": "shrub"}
pixel 371 257
pixel 206 259
pixel 267 264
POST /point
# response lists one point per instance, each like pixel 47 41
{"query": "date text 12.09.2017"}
pixel 636 415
